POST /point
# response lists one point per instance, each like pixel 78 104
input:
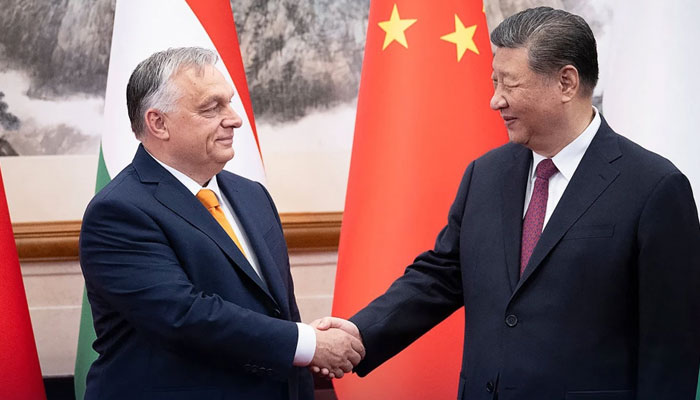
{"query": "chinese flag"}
pixel 20 375
pixel 423 115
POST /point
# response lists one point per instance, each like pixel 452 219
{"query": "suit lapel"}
pixel 513 200
pixel 243 206
pixel 593 175
pixel 175 196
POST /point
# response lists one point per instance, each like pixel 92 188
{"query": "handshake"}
pixel 339 347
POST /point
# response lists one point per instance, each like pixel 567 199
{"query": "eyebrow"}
pixel 217 99
pixel 505 74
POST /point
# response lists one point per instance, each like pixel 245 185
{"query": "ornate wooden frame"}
pixel 58 240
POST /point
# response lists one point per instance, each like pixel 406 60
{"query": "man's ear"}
pixel 155 124
pixel 569 82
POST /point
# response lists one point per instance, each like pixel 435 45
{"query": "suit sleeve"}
pixel 669 292
pixel 131 272
pixel 428 292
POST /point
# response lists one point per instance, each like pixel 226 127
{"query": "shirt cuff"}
pixel 306 345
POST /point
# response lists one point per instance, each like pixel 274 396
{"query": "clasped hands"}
pixel 339 347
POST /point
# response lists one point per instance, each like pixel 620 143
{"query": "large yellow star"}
pixel 463 37
pixel 395 28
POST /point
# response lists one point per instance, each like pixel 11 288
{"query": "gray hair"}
pixel 150 85
pixel 554 38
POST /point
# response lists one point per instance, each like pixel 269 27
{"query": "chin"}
pixel 515 137
pixel 225 155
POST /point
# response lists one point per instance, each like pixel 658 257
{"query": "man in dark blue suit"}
pixel 575 252
pixel 186 265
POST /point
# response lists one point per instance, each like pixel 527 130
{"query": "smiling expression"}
pixel 200 129
pixel 529 103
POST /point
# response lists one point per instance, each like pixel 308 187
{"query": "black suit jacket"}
pixel 608 306
pixel 178 310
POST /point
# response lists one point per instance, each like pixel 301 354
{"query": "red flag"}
pixel 20 375
pixel 423 114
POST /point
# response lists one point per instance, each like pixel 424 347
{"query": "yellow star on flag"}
pixel 463 37
pixel 395 28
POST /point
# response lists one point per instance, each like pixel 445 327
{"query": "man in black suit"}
pixel 186 266
pixel 574 251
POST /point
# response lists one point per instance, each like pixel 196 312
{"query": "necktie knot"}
pixel 545 169
pixel 208 198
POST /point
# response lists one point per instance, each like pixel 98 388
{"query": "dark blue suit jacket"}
pixel 178 310
pixel 608 306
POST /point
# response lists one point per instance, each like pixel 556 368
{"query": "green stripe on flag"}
pixel 102 173
pixel 85 355
pixel 86 336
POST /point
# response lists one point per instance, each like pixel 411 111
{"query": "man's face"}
pixel 201 127
pixel 529 103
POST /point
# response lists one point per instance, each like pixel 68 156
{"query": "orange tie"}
pixel 209 200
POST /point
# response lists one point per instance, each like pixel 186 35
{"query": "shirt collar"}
pixel 188 182
pixel 568 159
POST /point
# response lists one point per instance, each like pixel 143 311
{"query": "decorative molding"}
pixel 58 240
pixel 47 241
pixel 312 231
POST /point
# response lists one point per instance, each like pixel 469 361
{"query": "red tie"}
pixel 534 218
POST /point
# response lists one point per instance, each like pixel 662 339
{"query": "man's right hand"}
pixel 339 347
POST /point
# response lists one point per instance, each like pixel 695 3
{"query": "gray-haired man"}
pixel 186 266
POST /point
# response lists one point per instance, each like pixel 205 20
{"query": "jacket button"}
pixel 277 312
pixel 489 386
pixel 511 320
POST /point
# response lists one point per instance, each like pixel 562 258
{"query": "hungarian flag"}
pixel 20 375
pixel 423 115
pixel 141 29
pixel 648 95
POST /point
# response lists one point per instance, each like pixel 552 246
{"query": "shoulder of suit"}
pixel 124 190
pixel 642 159
pixel 501 154
pixel 127 176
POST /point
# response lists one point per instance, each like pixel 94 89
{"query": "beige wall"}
pixel 48 188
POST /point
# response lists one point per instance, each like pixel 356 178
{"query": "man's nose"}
pixel 232 119
pixel 497 101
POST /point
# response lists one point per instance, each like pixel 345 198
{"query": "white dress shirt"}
pixel 306 339
pixel 566 161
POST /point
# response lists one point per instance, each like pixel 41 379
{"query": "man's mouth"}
pixel 508 120
pixel 225 140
